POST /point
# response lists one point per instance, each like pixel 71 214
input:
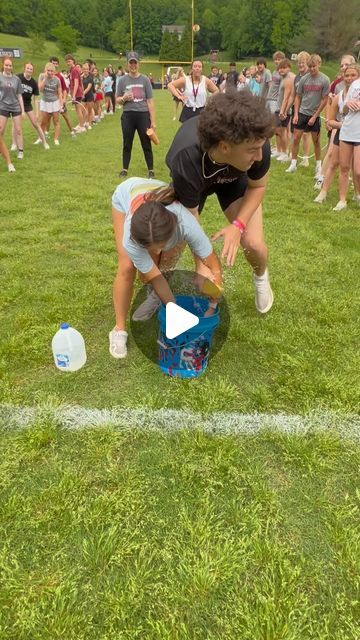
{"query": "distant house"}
pixel 174 28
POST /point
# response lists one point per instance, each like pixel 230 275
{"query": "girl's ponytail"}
pixel 165 195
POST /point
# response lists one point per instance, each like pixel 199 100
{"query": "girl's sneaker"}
pixel 46 146
pixel 11 168
pixel 20 155
pixel 38 141
pixel 57 143
pixel 321 197
pixel 13 147
pixel 117 343
pixel 342 204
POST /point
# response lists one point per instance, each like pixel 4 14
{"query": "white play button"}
pixel 178 320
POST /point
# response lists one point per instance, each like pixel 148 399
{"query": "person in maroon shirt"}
pixel 76 91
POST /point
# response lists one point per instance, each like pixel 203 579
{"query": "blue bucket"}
pixel 186 356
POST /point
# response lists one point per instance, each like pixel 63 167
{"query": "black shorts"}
pixel 354 144
pixel 189 112
pixel 281 123
pixel 226 192
pixel 89 97
pixel 28 108
pixel 108 94
pixel 303 125
pixel 7 114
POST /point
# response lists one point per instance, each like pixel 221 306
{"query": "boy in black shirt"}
pixel 226 151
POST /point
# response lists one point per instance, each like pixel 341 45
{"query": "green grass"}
pixel 129 534
pixel 114 534
pixel 58 262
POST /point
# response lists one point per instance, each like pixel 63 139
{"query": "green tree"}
pixel 37 42
pixel 169 49
pixel 66 38
pixel 333 29
pixel 119 36
pixel 185 44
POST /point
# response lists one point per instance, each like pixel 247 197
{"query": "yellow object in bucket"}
pixel 211 289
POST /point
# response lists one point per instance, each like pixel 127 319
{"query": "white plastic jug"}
pixel 68 348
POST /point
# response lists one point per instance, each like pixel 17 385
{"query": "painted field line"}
pixel 346 426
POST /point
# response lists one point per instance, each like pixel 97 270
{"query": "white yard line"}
pixel 170 420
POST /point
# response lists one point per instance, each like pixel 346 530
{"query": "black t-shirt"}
pixel 86 80
pixel 194 174
pixel 30 88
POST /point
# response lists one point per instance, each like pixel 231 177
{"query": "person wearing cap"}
pixel 134 93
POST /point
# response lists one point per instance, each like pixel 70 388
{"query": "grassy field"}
pixel 125 533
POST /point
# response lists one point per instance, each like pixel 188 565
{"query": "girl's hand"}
pixel 209 312
pixel 353 105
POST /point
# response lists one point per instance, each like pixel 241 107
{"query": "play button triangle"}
pixel 178 320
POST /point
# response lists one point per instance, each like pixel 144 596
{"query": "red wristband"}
pixel 239 224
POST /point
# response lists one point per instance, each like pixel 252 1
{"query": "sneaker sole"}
pixel 269 305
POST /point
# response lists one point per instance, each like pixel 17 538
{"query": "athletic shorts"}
pixel 7 114
pixel 28 108
pixel 108 94
pixel 89 97
pixel 98 96
pixel 189 112
pixel 50 107
pixel 271 105
pixel 226 192
pixel 281 123
pixel 354 144
pixel 303 125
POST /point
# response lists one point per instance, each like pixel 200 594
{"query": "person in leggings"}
pixel 134 93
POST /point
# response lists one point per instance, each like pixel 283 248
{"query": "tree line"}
pixel 242 27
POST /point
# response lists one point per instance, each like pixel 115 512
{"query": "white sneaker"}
pixel 174 118
pixel 264 296
pixel 38 141
pixel 342 204
pixel 319 183
pixel 147 308
pixel 81 130
pixel 356 198
pixel 13 147
pixel 57 143
pixel 275 153
pixel 20 155
pixel 117 343
pixel 304 162
pixel 321 197
pixel 46 146
pixel 283 157
pixel 11 168
pixel 73 133
pixel 291 168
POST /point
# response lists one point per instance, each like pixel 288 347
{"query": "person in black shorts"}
pixel 30 88
pixel 226 151
pixel 88 99
pixel 311 98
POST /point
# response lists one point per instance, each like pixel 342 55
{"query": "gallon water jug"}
pixel 68 348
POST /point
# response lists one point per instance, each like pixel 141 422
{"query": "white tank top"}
pixel 195 93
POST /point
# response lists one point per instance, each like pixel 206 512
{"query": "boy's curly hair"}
pixel 234 117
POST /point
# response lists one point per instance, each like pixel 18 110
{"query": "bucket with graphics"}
pixel 186 356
